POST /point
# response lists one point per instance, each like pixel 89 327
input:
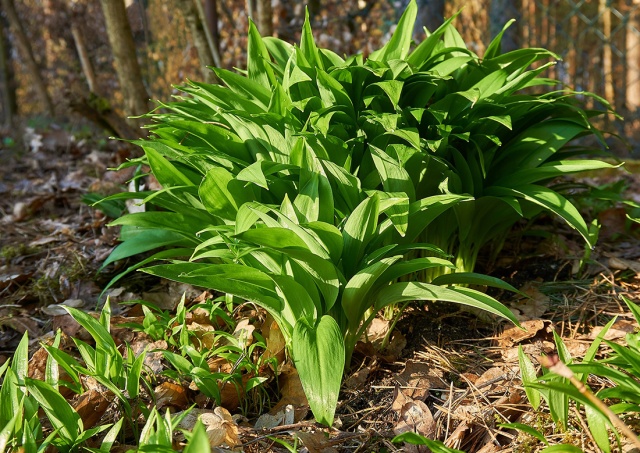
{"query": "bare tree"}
pixel 24 47
pixel 633 58
pixel 124 55
pixel 7 80
pixel 265 17
pixel 202 38
pixel 211 15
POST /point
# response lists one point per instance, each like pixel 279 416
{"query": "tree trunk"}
pixel 212 44
pixel 199 38
pixel 265 16
pixel 27 54
pixel 124 55
pixel 211 14
pixel 633 58
pixel 7 80
pixel 83 55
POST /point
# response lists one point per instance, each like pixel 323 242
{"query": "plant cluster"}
pixel 122 377
pixel 324 189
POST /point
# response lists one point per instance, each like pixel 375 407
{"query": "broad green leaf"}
pixel 20 363
pixel 398 45
pixel 199 441
pixel 222 194
pixel 548 199
pixel 525 429
pixel 143 242
pixel 434 446
pixel 598 425
pixel 243 86
pixel 166 173
pixel 551 170
pixel 406 291
pixel 111 437
pixel 258 59
pixel 358 231
pixel 354 297
pixel 319 355
pixel 472 278
pixel 529 376
pixel 59 412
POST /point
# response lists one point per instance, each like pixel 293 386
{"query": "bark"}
pixel 83 55
pixel 7 81
pixel 211 14
pixel 24 47
pixel 633 58
pixel 212 44
pixel 124 55
pixel 265 17
pixel 199 39
pixel 607 58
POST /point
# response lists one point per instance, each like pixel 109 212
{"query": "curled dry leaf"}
pixel 417 378
pixel 316 442
pixel 275 340
pixel 537 329
pixel 170 394
pixel 292 393
pixel 244 331
pixel 532 307
pixel 219 424
pixel 58 309
pixel 220 428
pixel 357 379
pixel 92 405
pixel 623 264
pixel 284 417
pixel 618 330
pixel 415 416
pixel 377 330
pixel 204 335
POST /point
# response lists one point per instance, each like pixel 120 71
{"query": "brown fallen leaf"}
pixel 316 442
pixel 357 379
pixel 416 417
pixel 244 332
pixel 274 339
pixel 220 428
pixel 532 307
pixel 535 328
pixel 618 330
pixel 92 405
pixel 283 417
pixel 170 394
pixel 292 393
pixel 377 331
pixel 219 425
pixel 623 264
pixel 417 378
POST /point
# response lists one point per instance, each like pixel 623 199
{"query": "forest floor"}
pixel 443 373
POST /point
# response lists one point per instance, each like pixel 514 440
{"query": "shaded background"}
pixel 598 41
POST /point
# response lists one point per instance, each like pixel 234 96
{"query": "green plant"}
pixel 622 367
pixel 416 439
pixel 316 186
pixel 22 398
pixel 104 362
